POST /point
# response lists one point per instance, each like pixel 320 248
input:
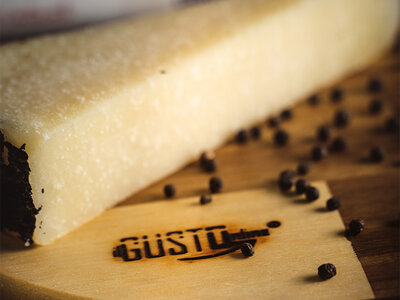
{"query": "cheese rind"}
pixel 107 110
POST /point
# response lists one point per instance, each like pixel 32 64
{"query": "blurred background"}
pixel 25 18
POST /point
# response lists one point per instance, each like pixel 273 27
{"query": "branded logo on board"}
pixel 202 243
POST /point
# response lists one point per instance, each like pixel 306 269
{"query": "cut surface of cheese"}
pixel 105 111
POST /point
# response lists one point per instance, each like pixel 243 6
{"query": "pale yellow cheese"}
pixel 107 110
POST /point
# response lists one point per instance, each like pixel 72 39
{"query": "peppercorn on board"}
pixel 98 114
pixel 368 190
pixel 183 250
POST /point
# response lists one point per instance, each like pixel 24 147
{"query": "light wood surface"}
pixel 369 191
pixel 284 265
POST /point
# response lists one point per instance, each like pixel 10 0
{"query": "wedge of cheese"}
pixel 90 117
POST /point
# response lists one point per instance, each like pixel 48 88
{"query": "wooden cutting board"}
pixel 183 250
pixel 370 191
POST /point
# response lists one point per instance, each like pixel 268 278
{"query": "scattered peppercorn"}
pixel 242 137
pixel 326 271
pixel 255 132
pixel 337 95
pixel 392 124
pixel 374 85
pixel 356 226
pixel 205 199
pixel 312 193
pixel 303 168
pixel 169 190
pixel 323 133
pixel 318 153
pixel 375 106
pixel 314 100
pixel 286 114
pixel 287 173
pixel 206 155
pixel 42 191
pixel 281 137
pixel 342 118
pixel 208 161
pixel 273 121
pixel 274 224
pixel 333 203
pixel 285 183
pixel 339 144
pixel 215 184
pixel 210 165
pixel 301 186
pixel 377 154
pixel 247 249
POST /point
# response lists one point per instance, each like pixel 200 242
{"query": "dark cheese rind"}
pixel 17 209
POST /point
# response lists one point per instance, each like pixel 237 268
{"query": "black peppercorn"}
pixel 210 165
pixel 281 137
pixel 392 124
pixel 356 226
pixel 303 168
pixel 286 114
pixel 205 199
pixel 318 153
pixel 339 144
pixel 326 271
pixel 215 184
pixel 273 121
pixel 255 132
pixel 287 173
pixel 247 249
pixel 375 106
pixel 312 193
pixel 208 162
pixel 169 190
pixel 273 224
pixel 377 154
pixel 242 137
pixel 314 100
pixel 333 203
pixel 301 186
pixel 337 95
pixel 342 118
pixel 285 183
pixel 206 155
pixel 323 133
pixel 374 85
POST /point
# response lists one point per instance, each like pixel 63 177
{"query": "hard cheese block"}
pixel 90 117
pixel 183 250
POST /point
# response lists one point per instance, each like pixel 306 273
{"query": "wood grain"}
pixel 369 190
pixel 284 265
